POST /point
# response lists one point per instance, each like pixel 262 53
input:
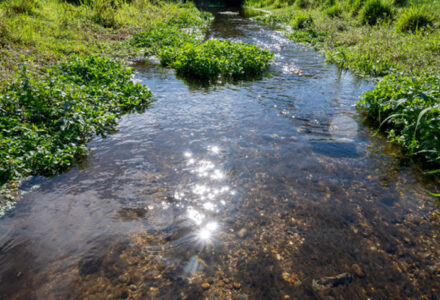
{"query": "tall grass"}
pixel 57 29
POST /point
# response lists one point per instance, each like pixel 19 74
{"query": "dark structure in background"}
pixel 218 3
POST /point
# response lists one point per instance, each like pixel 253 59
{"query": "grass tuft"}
pixel 375 10
pixel 301 21
pixel 333 11
pixel 414 19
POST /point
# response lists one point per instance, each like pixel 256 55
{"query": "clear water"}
pixel 247 190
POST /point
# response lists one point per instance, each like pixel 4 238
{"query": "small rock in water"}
pixel 236 285
pixel 358 270
pixel 331 281
pixel 242 232
pixel 206 286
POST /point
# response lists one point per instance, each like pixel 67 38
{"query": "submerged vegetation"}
pixel 397 42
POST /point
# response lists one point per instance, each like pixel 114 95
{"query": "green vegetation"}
pixel 185 51
pixel 414 18
pixel 408 109
pixel 62 74
pixel 44 32
pixel 46 119
pixel 63 79
pixel 395 42
pixel 215 58
pixel 301 21
pixel 160 37
pixel 374 10
pixel 333 11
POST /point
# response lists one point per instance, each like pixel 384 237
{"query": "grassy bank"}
pixel 41 32
pixel 396 42
pixel 63 77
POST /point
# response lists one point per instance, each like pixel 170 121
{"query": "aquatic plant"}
pixel 215 58
pixel 47 117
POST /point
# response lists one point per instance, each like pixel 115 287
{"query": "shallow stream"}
pixel 246 190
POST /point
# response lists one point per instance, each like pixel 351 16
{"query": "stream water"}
pixel 246 190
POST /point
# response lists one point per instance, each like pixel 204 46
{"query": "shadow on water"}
pixel 263 189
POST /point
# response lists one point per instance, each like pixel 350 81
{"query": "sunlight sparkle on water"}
pixel 209 206
pixel 194 215
pixel 200 189
pixel 214 149
pixel 217 174
pixel 206 232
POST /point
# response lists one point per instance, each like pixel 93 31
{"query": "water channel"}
pixel 248 190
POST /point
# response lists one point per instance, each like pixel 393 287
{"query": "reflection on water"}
pixel 265 189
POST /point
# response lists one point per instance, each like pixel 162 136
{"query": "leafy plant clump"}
pixel 408 109
pixel 375 10
pixel 46 118
pixel 184 51
pixel 215 58
pixel 307 36
pixel 301 21
pixel 413 19
pixel 162 36
pixel 333 11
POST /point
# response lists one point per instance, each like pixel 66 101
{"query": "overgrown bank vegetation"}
pixel 396 41
pixel 46 119
pixel 63 76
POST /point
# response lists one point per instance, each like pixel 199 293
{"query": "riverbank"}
pixel 43 32
pixel 396 43
pixel 63 77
